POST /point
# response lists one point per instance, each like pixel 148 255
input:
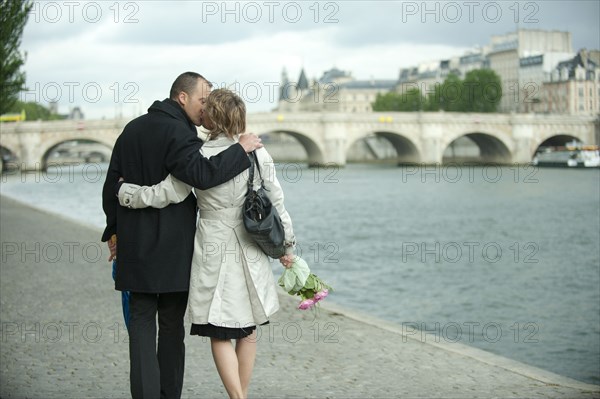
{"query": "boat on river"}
pixel 572 155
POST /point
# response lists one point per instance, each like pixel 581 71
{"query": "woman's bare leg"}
pixel 246 354
pixel 227 365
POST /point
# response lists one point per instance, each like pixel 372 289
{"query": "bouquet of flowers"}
pixel 298 280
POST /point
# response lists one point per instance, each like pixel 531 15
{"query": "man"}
pixel 156 245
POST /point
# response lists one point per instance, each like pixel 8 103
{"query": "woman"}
pixel 232 288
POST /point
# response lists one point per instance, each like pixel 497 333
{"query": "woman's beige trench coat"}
pixel 232 284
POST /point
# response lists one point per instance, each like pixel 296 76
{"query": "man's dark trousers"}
pixel 157 373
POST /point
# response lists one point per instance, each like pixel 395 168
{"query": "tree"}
pixel 386 102
pixel 34 111
pixel 410 101
pixel 482 91
pixel 447 96
pixel 13 17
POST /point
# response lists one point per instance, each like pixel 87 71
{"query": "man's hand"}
pixel 250 142
pixel 112 247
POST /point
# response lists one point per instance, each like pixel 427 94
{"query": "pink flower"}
pixel 321 295
pixel 306 304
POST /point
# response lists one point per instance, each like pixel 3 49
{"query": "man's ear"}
pixel 182 98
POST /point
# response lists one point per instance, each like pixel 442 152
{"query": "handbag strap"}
pixel 254 162
pixel 251 173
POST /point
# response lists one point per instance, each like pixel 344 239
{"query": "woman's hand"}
pixel 118 185
pixel 287 260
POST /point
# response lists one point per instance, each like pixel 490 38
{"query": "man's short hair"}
pixel 186 82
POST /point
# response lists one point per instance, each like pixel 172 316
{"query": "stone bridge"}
pixel 419 137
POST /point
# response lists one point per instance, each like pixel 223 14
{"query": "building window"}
pixel 581 92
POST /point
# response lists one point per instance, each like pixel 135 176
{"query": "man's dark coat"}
pixel 155 246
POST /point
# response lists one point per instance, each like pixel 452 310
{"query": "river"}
pixel 506 259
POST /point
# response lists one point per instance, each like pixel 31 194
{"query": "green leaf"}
pixel 311 283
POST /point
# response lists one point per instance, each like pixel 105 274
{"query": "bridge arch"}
pixel 56 140
pixel 9 151
pixel 92 155
pixel 493 147
pixel 555 140
pixel 407 150
pixel 9 158
pixel 325 136
pixel 313 151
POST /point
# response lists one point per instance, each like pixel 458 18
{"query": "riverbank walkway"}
pixel 62 336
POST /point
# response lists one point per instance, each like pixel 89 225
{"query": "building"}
pixel 359 95
pixel 293 95
pixel 538 69
pixel 533 72
pixel 523 60
pixel 76 114
pixel 427 75
pixel 572 88
pixel 334 91
pixel 475 59
pixel 506 52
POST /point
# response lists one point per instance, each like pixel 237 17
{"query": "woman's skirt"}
pixel 210 330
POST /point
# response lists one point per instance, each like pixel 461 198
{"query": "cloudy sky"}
pixel 110 57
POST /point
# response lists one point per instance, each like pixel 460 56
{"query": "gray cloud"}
pixel 463 23
pixel 213 23
pixel 360 23
pixel 149 42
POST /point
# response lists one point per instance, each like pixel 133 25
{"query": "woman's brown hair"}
pixel 227 112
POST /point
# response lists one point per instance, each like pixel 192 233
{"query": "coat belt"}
pixel 233 214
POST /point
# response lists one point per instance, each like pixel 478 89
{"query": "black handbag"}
pixel 261 219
